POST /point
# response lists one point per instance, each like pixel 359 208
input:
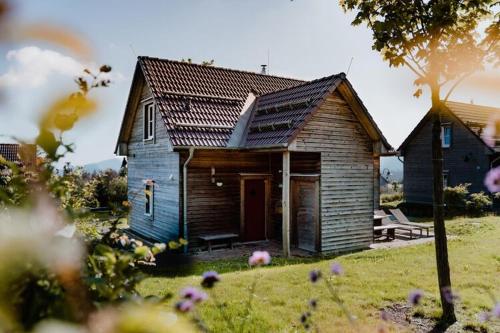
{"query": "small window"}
pixel 446 136
pixel 149 121
pixel 445 178
pixel 149 192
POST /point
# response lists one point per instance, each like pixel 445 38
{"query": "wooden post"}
pixel 286 203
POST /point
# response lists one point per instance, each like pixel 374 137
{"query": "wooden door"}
pixel 305 213
pixel 255 209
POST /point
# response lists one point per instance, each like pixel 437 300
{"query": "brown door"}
pixel 305 211
pixel 255 210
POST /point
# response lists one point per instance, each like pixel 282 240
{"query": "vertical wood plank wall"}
pixel 212 209
pixel 153 160
pixel 347 171
pixel 466 162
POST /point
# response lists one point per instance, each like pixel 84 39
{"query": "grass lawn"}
pixel 373 280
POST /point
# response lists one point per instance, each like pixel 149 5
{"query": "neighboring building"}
pixel 213 150
pixel 466 156
pixel 18 153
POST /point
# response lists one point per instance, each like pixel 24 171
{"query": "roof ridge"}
pixel 219 67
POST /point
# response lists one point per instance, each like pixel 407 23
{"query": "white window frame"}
pixel 151 189
pixel 149 124
pixel 443 144
pixel 446 178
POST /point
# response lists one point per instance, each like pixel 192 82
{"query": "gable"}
pixel 280 116
pixel 334 125
pixel 451 117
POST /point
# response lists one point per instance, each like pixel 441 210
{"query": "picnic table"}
pixel 228 237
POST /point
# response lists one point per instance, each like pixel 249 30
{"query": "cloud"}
pixel 32 66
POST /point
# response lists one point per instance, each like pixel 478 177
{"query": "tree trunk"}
pixel 443 267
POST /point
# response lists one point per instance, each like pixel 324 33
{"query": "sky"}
pixel 304 39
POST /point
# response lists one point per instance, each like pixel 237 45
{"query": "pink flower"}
pixel 193 294
pixel 336 269
pixel 492 180
pixel 259 258
pixel 184 306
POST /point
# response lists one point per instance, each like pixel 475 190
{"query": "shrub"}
pixel 384 198
pixel 478 204
pixel 455 199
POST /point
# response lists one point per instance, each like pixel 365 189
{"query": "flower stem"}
pixel 249 302
pixel 336 298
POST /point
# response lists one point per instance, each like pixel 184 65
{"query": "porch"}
pixel 271 196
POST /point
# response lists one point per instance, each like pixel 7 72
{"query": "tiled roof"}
pixel 201 104
pixel 476 117
pixel 278 115
pixel 14 152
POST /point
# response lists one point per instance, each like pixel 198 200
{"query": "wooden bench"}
pixel 390 229
pixel 218 237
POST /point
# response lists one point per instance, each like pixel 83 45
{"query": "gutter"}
pixel 184 194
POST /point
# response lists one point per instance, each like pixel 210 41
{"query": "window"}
pixel 445 178
pixel 149 121
pixel 445 136
pixel 149 192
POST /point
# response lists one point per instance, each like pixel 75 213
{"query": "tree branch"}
pixel 455 85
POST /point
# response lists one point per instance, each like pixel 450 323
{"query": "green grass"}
pixel 373 279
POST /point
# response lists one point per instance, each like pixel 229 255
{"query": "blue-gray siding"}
pixel 153 160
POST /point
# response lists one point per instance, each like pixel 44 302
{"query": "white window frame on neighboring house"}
pixel 446 143
pixel 149 192
pixel 149 122
pixel 446 178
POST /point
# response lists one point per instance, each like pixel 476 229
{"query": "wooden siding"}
pixel 154 160
pixel 466 161
pixel 347 172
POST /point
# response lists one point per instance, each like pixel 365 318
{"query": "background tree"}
pixel 442 43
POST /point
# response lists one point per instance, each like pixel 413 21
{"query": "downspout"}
pixel 184 195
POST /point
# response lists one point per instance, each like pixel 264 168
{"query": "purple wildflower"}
pixel 184 306
pixel 449 296
pixel 484 317
pixel 259 258
pixel 209 279
pixel 314 275
pixel 415 296
pixel 496 310
pixel 337 269
pixel 492 180
pixel 384 315
pixel 193 294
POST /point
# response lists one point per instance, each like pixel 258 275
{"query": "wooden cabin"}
pixel 466 156
pixel 21 154
pixel 264 157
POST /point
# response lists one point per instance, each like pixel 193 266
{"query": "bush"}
pixel 385 198
pixel 455 199
pixel 478 204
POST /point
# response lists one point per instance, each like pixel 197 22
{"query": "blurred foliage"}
pixel 478 204
pixel 459 201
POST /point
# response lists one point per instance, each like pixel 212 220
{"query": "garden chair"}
pixel 402 219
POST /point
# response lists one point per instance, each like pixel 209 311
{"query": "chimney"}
pixel 263 70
